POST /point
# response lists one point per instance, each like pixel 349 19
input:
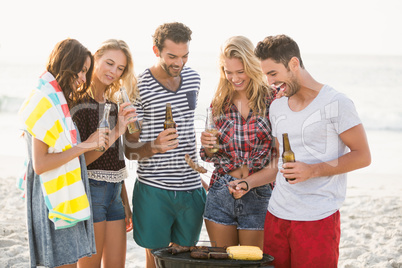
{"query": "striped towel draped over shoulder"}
pixel 46 116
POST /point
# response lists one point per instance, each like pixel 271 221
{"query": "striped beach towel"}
pixel 22 177
pixel 46 116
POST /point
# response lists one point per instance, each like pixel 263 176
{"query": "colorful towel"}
pixel 46 116
pixel 22 178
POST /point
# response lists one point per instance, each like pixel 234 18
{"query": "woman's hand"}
pixel 208 139
pixel 238 188
pixel 129 218
pixel 127 209
pixel 98 139
pixel 126 116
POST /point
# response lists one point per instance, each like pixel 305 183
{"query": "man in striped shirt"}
pixel 168 197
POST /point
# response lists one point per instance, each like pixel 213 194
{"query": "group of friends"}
pixel 78 210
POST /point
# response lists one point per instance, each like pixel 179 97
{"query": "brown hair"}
pixel 175 31
pixel 280 48
pixel 65 62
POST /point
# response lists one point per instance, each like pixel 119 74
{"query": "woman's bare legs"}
pixel 115 245
pixel 251 238
pixel 95 260
pixel 223 235
pixel 111 245
pixel 150 260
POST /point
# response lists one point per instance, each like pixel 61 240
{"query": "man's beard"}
pixel 167 69
pixel 292 87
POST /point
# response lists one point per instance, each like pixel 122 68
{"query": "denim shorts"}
pixel 247 212
pixel 106 201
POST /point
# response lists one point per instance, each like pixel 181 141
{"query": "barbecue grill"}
pixel 165 259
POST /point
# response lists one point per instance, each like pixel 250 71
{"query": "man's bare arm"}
pixel 358 157
pixel 134 149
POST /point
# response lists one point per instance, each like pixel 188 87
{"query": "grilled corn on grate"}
pixel 251 253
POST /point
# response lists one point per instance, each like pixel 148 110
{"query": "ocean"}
pixel 374 83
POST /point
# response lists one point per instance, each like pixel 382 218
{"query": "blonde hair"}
pixel 257 92
pixel 128 78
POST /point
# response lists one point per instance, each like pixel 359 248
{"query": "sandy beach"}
pixel 371 215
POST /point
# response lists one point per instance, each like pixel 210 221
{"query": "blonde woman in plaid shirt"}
pixel 239 190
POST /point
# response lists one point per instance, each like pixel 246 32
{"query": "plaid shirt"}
pixel 243 142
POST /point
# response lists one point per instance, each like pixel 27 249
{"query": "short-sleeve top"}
pixel 110 166
pixel 314 136
pixel 169 170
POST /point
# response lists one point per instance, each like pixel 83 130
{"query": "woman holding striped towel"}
pixel 60 224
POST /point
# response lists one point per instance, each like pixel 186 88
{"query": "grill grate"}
pixel 166 259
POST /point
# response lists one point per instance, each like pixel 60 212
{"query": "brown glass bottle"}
pixel 169 123
pixel 288 155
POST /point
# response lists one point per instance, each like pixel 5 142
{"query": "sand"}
pixel 371 222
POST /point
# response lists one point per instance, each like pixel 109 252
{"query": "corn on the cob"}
pixel 251 253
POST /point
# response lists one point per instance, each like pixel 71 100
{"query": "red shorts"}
pixel 303 243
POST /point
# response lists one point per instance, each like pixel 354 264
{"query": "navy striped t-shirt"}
pixel 169 170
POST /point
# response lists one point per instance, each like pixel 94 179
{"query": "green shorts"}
pixel 163 216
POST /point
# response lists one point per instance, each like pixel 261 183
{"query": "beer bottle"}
pixel 134 126
pixel 211 128
pixel 169 123
pixel 288 155
pixel 104 123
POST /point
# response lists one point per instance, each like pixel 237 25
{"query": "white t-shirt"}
pixel 314 137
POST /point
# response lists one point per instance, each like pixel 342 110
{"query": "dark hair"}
pixel 175 31
pixel 280 48
pixel 65 62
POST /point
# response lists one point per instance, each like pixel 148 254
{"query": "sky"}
pixel 30 29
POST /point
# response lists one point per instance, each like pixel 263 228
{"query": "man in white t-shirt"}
pixel 302 226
